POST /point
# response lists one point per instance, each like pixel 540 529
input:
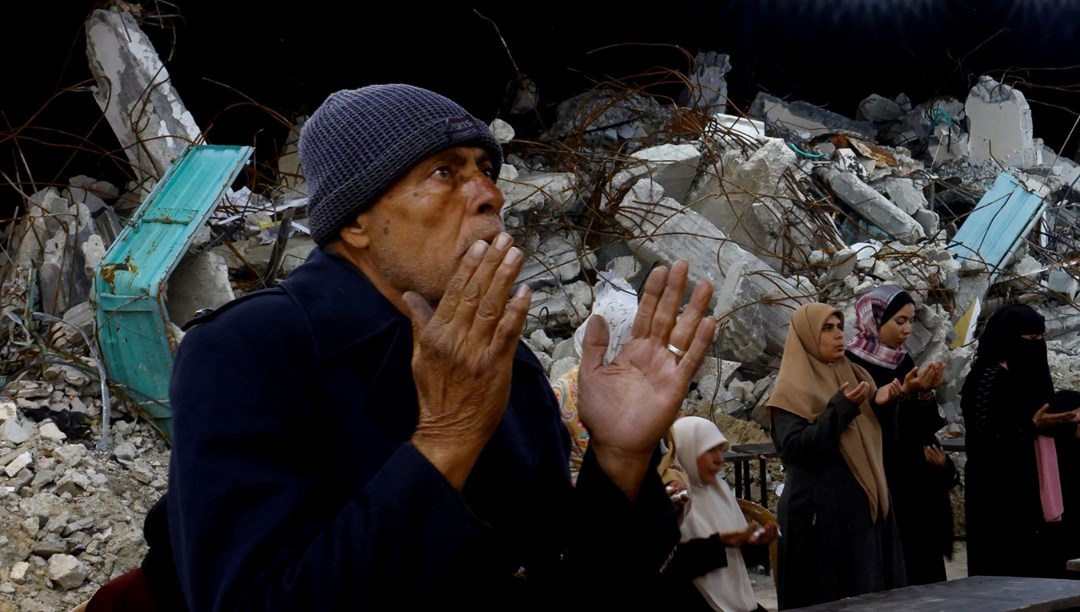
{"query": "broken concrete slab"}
pixel 707 90
pixel 805 120
pixel 754 302
pixel 1000 126
pixel 200 280
pixel 550 192
pixel 673 166
pixel 134 91
pixel 871 205
pixel 748 195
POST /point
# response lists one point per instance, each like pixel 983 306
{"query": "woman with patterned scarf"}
pixel 1009 502
pixel 919 472
pixel 838 533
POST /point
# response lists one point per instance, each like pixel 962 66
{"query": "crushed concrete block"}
pixel 1063 283
pixel 18 572
pixel 1000 126
pixel 804 119
pixel 903 192
pixel 707 90
pixel 562 255
pixel 8 409
pixel 869 204
pixel 503 131
pixel 62 271
pixel 753 302
pixel 565 306
pixel 723 126
pixel 837 266
pixel 50 431
pixel 17 464
pixel 559 367
pixel 672 166
pixel 541 191
pixel 67 571
pixel 929 220
pixel 73 483
pixel 948 140
pixel 88 198
pixel 745 194
pixel 135 92
pixel 200 280
pixel 13 432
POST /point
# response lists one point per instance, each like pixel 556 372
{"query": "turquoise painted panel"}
pixel 133 329
pixel 999 222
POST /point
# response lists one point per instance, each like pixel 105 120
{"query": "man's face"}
pixel 414 236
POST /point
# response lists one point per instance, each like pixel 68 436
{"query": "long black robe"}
pixel 1006 534
pixel 1009 381
pixel 920 491
pixel 829 548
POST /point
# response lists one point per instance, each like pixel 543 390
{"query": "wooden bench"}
pixel 974 593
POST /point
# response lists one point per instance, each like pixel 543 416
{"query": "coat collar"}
pixel 343 307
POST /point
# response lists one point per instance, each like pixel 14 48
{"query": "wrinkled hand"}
pixel 629 404
pixel 1043 420
pixel 463 354
pixel 935 456
pixel 929 377
pixel 887 393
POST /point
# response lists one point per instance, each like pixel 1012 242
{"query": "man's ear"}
pixel 357 234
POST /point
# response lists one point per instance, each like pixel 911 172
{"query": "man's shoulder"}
pixel 250 303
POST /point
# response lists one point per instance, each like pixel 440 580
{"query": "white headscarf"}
pixel 713 509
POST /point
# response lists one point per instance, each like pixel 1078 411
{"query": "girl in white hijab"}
pixel 715 522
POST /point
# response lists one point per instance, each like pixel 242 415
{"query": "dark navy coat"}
pixel 293 485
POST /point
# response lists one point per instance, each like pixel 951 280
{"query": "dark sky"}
pixel 288 58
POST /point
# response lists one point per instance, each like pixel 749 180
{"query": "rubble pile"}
pixel 787 204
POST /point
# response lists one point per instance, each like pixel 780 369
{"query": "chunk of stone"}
pixel 17 464
pixel 134 90
pixel 67 571
pixel 50 431
pixel 1000 125
pixel 871 205
pixel 753 302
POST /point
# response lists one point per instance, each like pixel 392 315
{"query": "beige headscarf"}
pixel 804 386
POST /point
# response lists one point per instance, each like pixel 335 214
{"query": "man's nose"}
pixel 485 198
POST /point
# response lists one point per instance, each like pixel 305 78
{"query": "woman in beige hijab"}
pixel 838 536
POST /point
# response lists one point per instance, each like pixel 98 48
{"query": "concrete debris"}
pixel 1000 125
pixel 788 204
pixel 804 120
pixel 707 90
pixel 887 220
pixel 134 91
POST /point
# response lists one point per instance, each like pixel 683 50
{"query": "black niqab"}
pixel 1002 342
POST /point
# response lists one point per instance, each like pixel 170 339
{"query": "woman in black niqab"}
pixel 1003 401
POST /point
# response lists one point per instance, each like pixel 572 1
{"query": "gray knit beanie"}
pixel 360 141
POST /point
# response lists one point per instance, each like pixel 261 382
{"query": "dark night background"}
pixel 289 56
